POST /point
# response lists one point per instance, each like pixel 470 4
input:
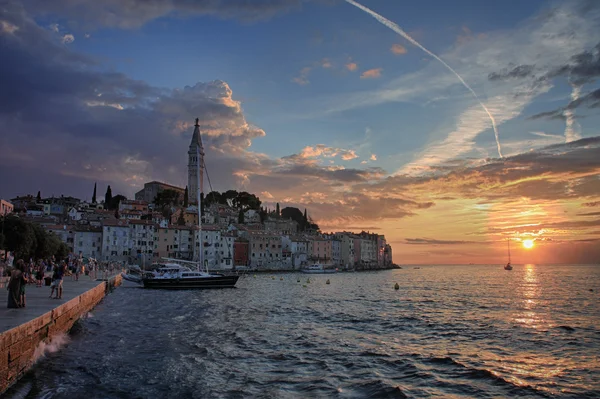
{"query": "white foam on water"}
pixel 43 348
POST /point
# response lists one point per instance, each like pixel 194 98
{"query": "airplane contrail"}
pixel 393 26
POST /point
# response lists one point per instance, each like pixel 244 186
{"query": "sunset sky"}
pixel 316 104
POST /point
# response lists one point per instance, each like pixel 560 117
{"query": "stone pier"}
pixel 23 330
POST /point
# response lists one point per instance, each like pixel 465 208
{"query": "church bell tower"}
pixel 195 159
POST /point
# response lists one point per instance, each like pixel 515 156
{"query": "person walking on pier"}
pixel 16 286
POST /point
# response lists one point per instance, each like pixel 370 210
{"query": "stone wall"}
pixel 18 345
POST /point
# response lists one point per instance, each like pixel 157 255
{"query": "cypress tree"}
pixel 39 197
pixel 277 210
pixel 94 195
pixel 108 197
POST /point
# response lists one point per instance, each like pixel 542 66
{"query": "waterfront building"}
pixel 336 251
pixel 87 241
pixel 381 245
pixel 174 242
pixel 347 258
pixel 299 251
pixel 151 190
pixel 265 249
pixel 217 248
pixel 115 240
pixel 320 249
pixel 387 255
pixel 241 252
pixel 141 243
pixel 6 207
pixel 64 233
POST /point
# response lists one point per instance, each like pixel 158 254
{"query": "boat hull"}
pixel 131 277
pixel 191 283
pixel 324 271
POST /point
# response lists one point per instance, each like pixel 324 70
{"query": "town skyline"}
pixel 317 105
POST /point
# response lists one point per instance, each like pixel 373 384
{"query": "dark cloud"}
pixel 429 241
pixel 589 214
pixel 590 204
pixel 591 100
pixel 514 72
pixel 583 67
pixel 63 113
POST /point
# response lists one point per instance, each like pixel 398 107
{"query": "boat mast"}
pixel 198 196
pixel 508 245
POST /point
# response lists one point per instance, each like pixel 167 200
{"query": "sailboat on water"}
pixel 174 274
pixel 508 266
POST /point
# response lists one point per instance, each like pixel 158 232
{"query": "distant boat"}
pixel 317 268
pixel 508 265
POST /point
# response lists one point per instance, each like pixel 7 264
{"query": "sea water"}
pixel 448 331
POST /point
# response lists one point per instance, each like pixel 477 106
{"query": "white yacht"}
pixel 317 268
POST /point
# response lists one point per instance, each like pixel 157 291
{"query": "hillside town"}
pixel 138 232
pixel 162 222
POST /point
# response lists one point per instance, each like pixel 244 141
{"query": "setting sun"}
pixel 528 244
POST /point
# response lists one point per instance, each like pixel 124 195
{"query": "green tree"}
pixel 180 218
pixel 20 237
pixel 241 217
pixel 108 197
pixel 229 197
pixel 277 210
pixel 62 250
pixel 185 197
pixel 167 198
pixel 116 200
pixel 214 197
pixel 94 195
pixel 39 197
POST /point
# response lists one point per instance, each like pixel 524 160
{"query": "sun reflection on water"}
pixel 530 293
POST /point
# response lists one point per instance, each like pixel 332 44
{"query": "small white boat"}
pixel 317 268
pixel 133 274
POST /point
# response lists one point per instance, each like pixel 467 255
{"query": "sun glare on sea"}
pixel 528 244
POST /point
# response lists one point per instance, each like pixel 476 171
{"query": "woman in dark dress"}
pixel 15 284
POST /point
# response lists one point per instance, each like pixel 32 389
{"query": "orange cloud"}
pixel 371 73
pixel 351 66
pixel 398 49
pixel 327 152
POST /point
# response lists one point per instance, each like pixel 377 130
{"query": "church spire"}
pixel 195 164
pixel 196 137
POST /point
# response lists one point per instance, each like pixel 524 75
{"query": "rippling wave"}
pixel 455 331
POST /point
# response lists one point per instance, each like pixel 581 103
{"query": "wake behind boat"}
pixel 317 268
